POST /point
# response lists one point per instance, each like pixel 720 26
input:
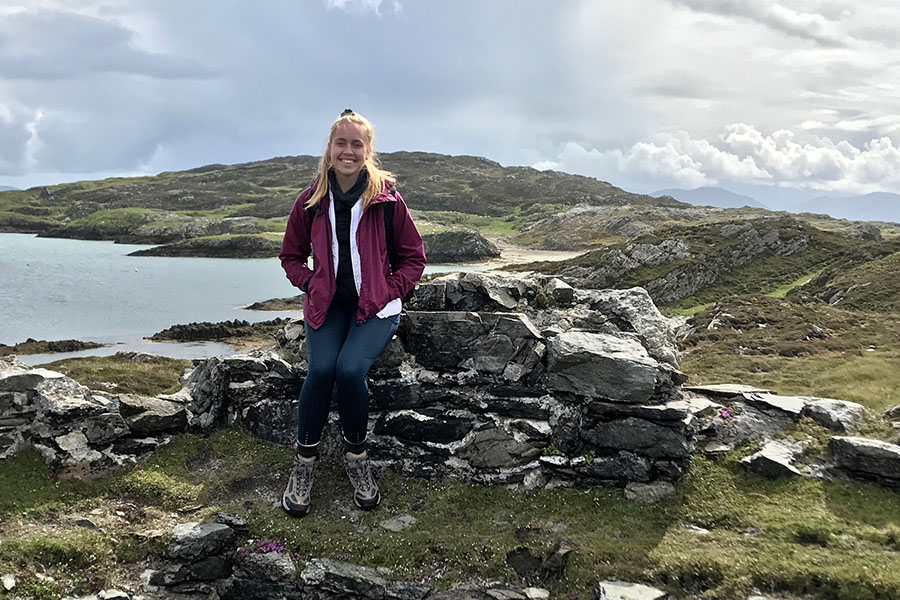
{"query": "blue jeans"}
pixel 340 353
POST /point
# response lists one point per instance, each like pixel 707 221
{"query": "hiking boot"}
pixel 296 498
pixel 366 495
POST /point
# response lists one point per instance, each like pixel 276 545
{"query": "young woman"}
pixel 352 297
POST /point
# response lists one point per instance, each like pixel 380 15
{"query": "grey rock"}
pixel 235 522
pixel 208 568
pixel 725 390
pixel 749 423
pixel 792 405
pixel 555 562
pixel 18 377
pixel 632 310
pixel 865 231
pixel 562 292
pixel 867 459
pixel 415 426
pixel 619 467
pixel 324 578
pixel 623 590
pixel 191 541
pixel 892 413
pixel 429 296
pixel 639 435
pixel 235 588
pixel 398 523
pixel 151 415
pixel 649 493
pixel 443 340
pixel 838 415
pixel 601 366
pixel 499 447
pixel 277 567
pixel 775 459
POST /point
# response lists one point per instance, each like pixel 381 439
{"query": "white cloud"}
pixel 743 154
pixel 365 6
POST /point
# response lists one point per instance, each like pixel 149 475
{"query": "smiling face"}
pixel 348 149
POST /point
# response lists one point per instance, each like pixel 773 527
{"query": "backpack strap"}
pixel 389 235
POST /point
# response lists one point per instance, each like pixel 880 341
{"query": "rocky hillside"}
pixel 246 198
pixel 683 264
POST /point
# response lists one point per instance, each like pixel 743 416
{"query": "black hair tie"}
pixel 347 111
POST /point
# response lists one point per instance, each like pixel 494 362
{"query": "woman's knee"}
pixel 348 370
pixel 320 371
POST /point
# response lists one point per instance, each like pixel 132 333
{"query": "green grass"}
pixel 687 311
pixel 766 342
pixel 835 540
pixel 115 217
pixel 506 226
pixel 119 374
pixel 782 290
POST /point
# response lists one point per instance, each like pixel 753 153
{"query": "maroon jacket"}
pixel 378 284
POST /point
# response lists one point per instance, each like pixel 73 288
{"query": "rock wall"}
pixel 492 379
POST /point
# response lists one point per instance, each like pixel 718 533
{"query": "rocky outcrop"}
pixel 710 252
pixel 32 346
pixel 865 231
pixel 458 247
pixel 282 304
pixel 863 458
pixel 80 433
pixel 192 332
pixel 214 559
pixel 235 246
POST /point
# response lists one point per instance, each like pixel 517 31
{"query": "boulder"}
pixel 863 458
pixel 775 459
pixel 838 415
pixel 277 567
pixel 632 310
pixel 152 415
pixel 324 578
pixel 649 493
pixel 191 541
pixel 865 231
pixel 458 246
pixel 623 590
pixel 641 436
pixel 601 366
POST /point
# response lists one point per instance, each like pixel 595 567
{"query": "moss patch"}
pixel 122 374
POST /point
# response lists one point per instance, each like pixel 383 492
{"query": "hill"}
pixel 686 265
pixel 256 197
pixel 710 196
pixel 877 206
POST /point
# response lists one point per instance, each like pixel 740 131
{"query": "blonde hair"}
pixel 378 177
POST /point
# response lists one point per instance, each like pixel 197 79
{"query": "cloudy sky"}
pixel 646 94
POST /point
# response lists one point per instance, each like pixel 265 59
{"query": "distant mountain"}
pixel 710 196
pixel 6 188
pixel 877 206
